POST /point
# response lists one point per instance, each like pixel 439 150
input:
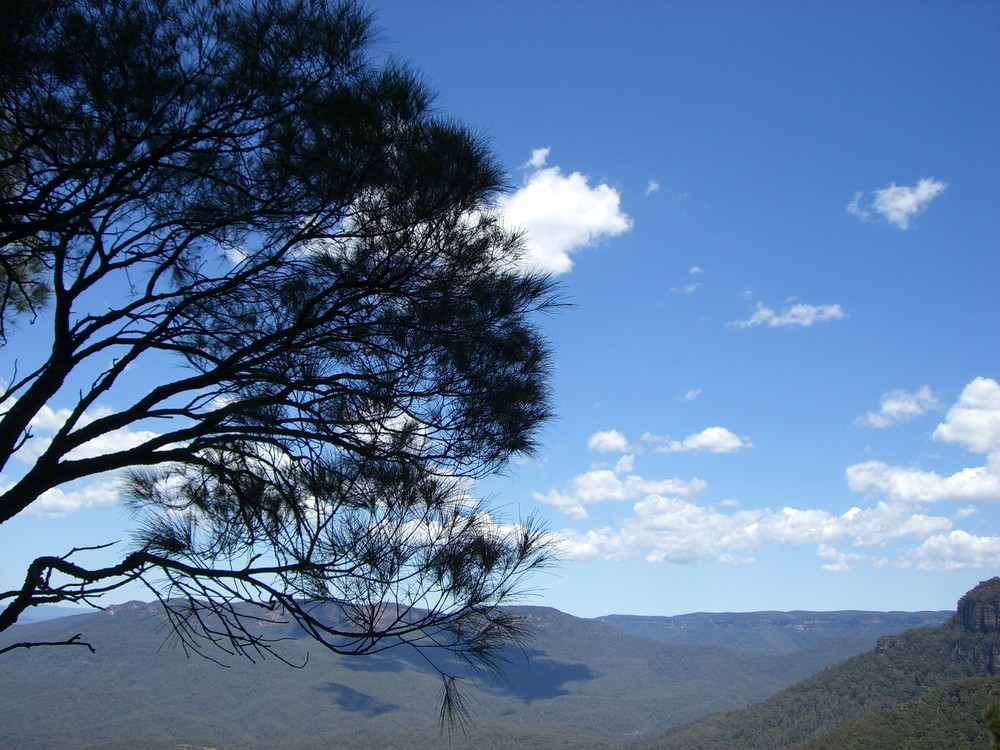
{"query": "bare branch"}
pixel 73 641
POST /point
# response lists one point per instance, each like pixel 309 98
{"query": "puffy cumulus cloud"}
pixel 678 530
pixel 561 214
pixel 663 529
pixel 709 440
pixel 48 421
pixel 954 551
pixel 974 421
pixel 794 315
pixel 608 441
pixel 908 484
pixel 901 406
pixel 99 491
pixel 670 523
pixel 612 485
pixel 897 204
pixel 625 464
pixel 59 502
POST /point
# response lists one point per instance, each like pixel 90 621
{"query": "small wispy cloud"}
pixel 897 204
pixel 538 158
pixel 652 187
pixel 693 286
pixel 686 289
pixel 898 406
pixel 692 394
pixel 794 315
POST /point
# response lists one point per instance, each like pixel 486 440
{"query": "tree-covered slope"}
pixel 902 669
pixel 946 718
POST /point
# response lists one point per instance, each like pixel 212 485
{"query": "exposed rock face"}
pixel 979 610
pixel 978 615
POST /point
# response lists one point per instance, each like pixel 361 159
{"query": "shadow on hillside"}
pixel 540 678
pixel 526 677
pixel 351 700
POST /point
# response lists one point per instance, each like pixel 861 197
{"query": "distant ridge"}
pixel 912 691
pixel 582 684
pixel 45 612
pixel 772 631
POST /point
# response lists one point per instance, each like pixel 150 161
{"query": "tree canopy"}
pixel 244 189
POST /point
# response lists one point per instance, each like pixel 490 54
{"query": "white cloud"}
pixel 612 485
pixel 625 464
pixel 897 204
pixel 59 502
pixel 907 484
pixel 854 208
pixel 608 441
pixel 48 421
pixel 795 315
pixel 652 187
pixel 538 158
pixel 693 286
pixel 561 214
pixel 673 529
pixel 974 422
pixel 692 394
pixel 835 561
pixel 669 524
pixel 901 406
pixel 686 289
pixel 709 440
pixel 954 551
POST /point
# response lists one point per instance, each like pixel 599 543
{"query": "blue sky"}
pixel 779 227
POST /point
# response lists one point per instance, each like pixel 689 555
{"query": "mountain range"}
pixel 613 682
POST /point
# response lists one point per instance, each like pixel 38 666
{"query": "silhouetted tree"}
pixel 239 188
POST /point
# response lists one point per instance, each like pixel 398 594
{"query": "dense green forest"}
pixel 947 717
pixel 928 682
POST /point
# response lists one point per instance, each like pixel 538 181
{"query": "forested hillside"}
pixel 937 678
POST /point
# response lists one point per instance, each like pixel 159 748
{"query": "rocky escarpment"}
pixel 977 618
pixel 979 610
